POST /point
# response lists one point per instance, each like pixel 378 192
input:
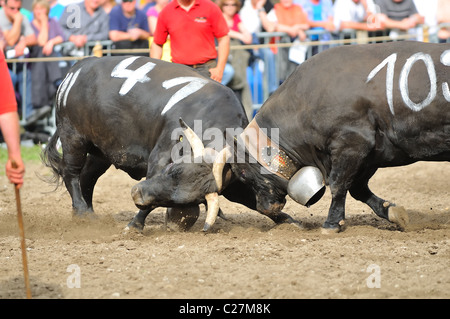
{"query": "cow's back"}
pixel 129 105
pixel 399 89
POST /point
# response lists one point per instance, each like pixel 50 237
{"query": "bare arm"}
pixel 156 51
pixel 222 57
pixel 9 123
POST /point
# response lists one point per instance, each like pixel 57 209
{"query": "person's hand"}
pixel 15 175
pixel 47 49
pixel 20 46
pixel 216 74
pixel 135 33
pixel 18 17
pixel 78 40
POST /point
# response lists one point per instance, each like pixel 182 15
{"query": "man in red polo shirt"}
pixel 192 26
pixel 9 124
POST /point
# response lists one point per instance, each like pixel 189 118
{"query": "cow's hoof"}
pixel 399 216
pixel 331 229
pixel 293 222
pixel 134 225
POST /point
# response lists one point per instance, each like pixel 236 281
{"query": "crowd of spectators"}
pixel 131 24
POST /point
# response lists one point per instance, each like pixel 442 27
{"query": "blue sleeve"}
pixel 144 22
pixel 114 19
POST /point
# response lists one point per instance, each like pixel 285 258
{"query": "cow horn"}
pixel 212 201
pixel 194 140
pixel 219 164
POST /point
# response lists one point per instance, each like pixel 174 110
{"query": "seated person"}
pixel 45 76
pixel 355 15
pixel 88 22
pixel 128 27
pixel 19 37
pixel 399 14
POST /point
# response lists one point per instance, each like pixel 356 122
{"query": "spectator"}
pixel 399 14
pixel 9 125
pixel 427 9
pixel 153 12
pixel 355 15
pixel 83 22
pixel 320 17
pixel 238 59
pixel 56 9
pixel 194 24
pixel 19 36
pixel 26 13
pixel 291 19
pixel 128 27
pixel 108 5
pixel 45 76
pixel 254 18
pixel 443 16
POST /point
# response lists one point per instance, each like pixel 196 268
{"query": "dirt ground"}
pixel 246 256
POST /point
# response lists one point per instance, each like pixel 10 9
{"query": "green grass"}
pixel 29 154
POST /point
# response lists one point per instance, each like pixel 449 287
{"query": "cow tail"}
pixel 52 158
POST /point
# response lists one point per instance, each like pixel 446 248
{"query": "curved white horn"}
pixel 212 200
pixel 219 164
pixel 194 140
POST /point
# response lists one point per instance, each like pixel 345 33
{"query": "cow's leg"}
pixel 348 158
pixel 95 167
pixel 336 213
pixel 360 191
pixel 73 160
pixel 138 221
pixel 384 209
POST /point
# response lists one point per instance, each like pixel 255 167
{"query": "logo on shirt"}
pixel 200 19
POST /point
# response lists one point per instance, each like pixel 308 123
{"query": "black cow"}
pixel 124 111
pixel 349 111
pixel 353 109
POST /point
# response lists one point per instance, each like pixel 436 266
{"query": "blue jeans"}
pixel 25 95
pixel 228 74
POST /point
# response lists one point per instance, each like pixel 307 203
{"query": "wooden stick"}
pixel 22 237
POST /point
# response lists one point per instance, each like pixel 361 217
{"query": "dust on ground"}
pixel 246 256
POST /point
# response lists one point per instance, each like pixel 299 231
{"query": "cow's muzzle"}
pixel 140 200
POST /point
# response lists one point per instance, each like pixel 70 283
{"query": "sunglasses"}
pixel 230 5
pixel 127 0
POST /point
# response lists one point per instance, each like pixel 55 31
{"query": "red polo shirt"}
pixel 7 97
pixel 191 33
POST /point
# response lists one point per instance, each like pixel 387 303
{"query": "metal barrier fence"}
pixel 270 40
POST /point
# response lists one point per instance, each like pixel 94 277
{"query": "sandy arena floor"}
pixel 244 257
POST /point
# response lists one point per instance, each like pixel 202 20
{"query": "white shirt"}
pixel 347 10
pixel 250 17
